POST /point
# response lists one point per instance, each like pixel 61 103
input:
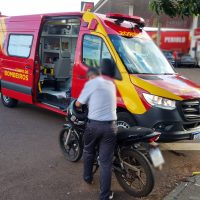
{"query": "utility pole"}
pixel 193 39
pixel 130 9
pixel 158 31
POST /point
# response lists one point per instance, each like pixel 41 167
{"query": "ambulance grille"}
pixel 191 110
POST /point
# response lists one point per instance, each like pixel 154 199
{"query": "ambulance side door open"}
pixel 18 67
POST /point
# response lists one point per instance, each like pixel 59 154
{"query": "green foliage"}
pixel 173 8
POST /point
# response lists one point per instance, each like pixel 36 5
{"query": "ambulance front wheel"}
pixel 8 101
pixel 125 120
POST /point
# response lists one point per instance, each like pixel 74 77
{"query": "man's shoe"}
pixel 89 182
pixel 111 196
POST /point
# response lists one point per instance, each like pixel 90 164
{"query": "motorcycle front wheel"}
pixel 137 177
pixel 71 145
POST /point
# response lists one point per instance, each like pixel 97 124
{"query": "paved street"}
pixel 191 73
pixel 32 167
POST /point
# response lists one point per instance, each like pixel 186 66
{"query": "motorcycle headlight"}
pixel 160 101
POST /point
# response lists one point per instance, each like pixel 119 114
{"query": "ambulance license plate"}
pixel 156 157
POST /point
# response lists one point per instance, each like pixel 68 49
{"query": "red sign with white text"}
pixel 86 6
pixel 173 40
pixel 197 31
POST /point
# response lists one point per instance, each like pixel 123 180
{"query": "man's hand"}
pixel 79 107
pixel 78 104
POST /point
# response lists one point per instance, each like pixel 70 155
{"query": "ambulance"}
pixel 44 59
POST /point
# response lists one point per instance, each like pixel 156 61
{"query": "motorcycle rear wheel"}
pixel 140 183
pixel 74 149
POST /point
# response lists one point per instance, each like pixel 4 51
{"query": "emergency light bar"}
pixel 122 17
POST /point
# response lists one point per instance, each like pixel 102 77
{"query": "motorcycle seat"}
pixel 133 132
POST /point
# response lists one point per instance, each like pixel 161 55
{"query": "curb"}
pixel 189 190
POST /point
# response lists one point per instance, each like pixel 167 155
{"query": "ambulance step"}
pixel 50 105
pixel 53 101
pixel 55 105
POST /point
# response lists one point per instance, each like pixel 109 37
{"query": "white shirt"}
pixel 100 96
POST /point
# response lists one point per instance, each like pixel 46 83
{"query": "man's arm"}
pixel 84 96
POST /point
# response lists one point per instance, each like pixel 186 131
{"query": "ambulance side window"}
pixel 94 49
pixel 19 45
pixel 105 52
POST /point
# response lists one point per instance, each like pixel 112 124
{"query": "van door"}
pixel 94 49
pixel 18 67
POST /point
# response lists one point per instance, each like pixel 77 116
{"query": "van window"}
pixel 94 49
pixel 141 56
pixel 20 45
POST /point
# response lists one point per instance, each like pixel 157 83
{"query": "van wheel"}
pixel 125 120
pixel 8 101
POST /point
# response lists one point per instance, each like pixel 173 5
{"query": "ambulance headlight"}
pixel 160 102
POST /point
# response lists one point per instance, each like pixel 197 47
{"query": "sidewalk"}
pixel 189 190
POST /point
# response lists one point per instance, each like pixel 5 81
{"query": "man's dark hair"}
pixel 108 67
pixel 93 71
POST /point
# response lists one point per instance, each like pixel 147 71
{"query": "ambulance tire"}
pixel 8 101
pixel 125 120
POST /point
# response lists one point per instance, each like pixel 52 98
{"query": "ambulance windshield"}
pixel 141 55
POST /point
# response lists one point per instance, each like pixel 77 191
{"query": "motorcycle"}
pixel 135 156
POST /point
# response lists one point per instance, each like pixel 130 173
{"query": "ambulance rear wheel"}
pixel 8 101
pixel 125 120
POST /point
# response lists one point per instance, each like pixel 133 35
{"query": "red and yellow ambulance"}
pixel 44 60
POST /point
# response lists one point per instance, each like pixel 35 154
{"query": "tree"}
pixel 173 8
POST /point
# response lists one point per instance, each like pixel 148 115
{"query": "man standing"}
pixel 99 93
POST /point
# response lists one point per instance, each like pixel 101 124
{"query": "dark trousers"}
pixel 104 136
